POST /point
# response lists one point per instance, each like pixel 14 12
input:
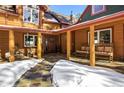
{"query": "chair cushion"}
pixel 87 48
pixel 108 49
pixel 100 48
pixel 83 48
pixel 80 51
pixel 102 53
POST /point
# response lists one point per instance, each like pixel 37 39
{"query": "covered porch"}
pixel 85 34
pixel 20 43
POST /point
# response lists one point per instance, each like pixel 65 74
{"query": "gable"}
pixel 110 9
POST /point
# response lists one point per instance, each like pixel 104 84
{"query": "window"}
pixel 97 9
pixel 11 8
pixel 30 40
pixel 102 36
pixel 31 14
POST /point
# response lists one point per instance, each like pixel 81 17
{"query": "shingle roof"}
pixel 56 17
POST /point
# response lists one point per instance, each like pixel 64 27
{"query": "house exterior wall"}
pixel 63 42
pixel 4 42
pixel 16 19
pixel 81 38
pixel 19 41
pixel 51 26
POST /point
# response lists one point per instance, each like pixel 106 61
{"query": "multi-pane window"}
pixel 31 14
pixel 11 8
pixel 98 9
pixel 102 36
pixel 30 40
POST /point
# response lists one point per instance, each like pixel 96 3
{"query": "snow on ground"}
pixel 66 73
pixel 11 72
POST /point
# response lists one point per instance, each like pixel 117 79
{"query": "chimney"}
pixel 71 17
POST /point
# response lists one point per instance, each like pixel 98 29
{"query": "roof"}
pixel 109 9
pixel 55 17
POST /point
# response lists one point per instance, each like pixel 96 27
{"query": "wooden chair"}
pixel 20 54
pixel 31 52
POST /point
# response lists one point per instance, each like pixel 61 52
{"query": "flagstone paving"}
pixel 40 76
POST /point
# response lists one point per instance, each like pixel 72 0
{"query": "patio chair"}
pixel 31 52
pixel 19 54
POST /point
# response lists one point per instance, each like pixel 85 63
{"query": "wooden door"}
pixel 51 44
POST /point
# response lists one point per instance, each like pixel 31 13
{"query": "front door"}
pixel 51 43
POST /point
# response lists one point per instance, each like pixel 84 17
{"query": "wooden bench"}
pixel 84 50
pixel 104 50
pixel 101 50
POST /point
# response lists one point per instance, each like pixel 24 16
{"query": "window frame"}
pixel 98 12
pixel 33 40
pixel 98 34
pixel 31 9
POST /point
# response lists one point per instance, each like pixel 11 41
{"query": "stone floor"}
pixel 39 76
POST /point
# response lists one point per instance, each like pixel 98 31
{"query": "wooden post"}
pixel 68 44
pixel 92 46
pixel 39 45
pixel 11 46
pixel 42 19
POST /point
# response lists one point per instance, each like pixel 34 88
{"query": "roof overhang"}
pixel 102 20
pixel 24 29
pixel 95 22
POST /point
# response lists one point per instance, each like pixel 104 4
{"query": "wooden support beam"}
pixel 42 19
pixel 39 45
pixel 68 44
pixel 92 46
pixel 11 46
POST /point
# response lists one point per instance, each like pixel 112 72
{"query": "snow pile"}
pixel 11 72
pixel 66 73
